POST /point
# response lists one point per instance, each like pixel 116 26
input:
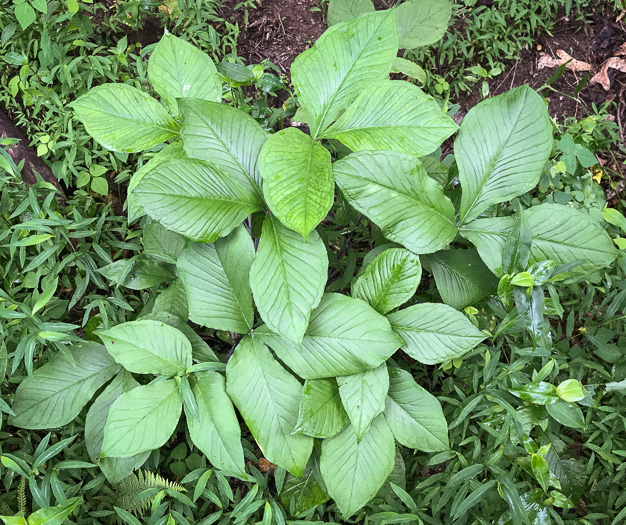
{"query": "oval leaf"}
pixel 321 413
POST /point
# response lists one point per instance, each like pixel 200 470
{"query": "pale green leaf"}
pixel 355 471
pixel 321 413
pixel 501 149
pixel 363 396
pixel 461 277
pixel 344 60
pixel 122 118
pixel 159 241
pixel 54 515
pixel 224 136
pixel 414 415
pixel 195 198
pixel 142 419
pixel 148 347
pixel 389 280
pixel 287 278
pixel 268 398
pixel 394 115
pixel 344 10
pixel 435 333
pixel 489 236
pixel 305 491
pixel 178 69
pixel 395 192
pixel 216 281
pixel 56 393
pixel 345 336
pixel 422 22
pixel 216 431
pixel 409 69
pixel 297 179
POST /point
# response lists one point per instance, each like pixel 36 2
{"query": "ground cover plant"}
pixel 225 170
pixel 524 420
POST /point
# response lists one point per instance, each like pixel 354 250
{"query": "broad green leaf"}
pixel 161 242
pixel 148 347
pixel 305 492
pixel 461 277
pixel 422 22
pixel 178 69
pixel 268 398
pixel 14 520
pixel 287 278
pixel 344 60
pixel 142 419
pixel 390 280
pixel 363 396
pixel 435 333
pixel 173 301
pixel 195 198
pixel 216 431
pixel 56 393
pixel 564 235
pixel 54 515
pixel 344 10
pixel 345 336
pixel 297 179
pixel 414 415
pixel 354 471
pixel 321 413
pixel 171 151
pixel 216 280
pixel 224 136
pixel 115 469
pixel 122 118
pixel 394 191
pixel 395 115
pixel 501 149
pixel 568 414
pixel 489 236
pixel 409 69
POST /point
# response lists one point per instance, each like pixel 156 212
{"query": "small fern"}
pixel 127 493
pixel 5 510
pixel 21 496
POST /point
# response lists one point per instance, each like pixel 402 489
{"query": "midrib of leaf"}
pixel 393 279
pixel 493 164
pixel 282 269
pixel 151 124
pixel 156 356
pixel 201 198
pixel 234 294
pixel 334 96
pixel 426 430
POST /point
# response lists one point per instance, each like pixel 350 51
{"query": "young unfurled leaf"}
pixel 148 347
pixel 268 398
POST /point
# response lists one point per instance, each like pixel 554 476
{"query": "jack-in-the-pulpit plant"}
pixel 309 365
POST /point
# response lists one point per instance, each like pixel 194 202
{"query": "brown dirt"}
pixel 277 30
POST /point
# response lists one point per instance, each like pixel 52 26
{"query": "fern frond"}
pixel 21 496
pixel 128 491
pixel 5 510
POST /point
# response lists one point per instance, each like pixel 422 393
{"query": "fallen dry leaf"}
pixel 573 65
pixel 266 466
pixel 602 76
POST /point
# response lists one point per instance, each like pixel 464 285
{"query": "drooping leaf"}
pixel 115 469
pixel 489 236
pixel 195 198
pixel 568 414
pixel 306 491
pixel 297 179
pixel 161 242
pixel 564 235
pixel 345 59
pixel 224 136
pixel 171 151
pixel 54 515
pixel 142 419
pixel 501 149
pixel 56 393
pixel 287 278
pixel 435 333
pixel 354 471
pixel 216 431
pixel 390 280
pixel 422 22
pixel 268 398
pixel 345 336
pixel 394 191
pixel 216 281
pixel 148 347
pixel 178 69
pixel 173 301
pixel 394 115
pixel 363 396
pixel 122 118
pixel 321 413
pixel 414 415
pixel 461 277
pixel 344 10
